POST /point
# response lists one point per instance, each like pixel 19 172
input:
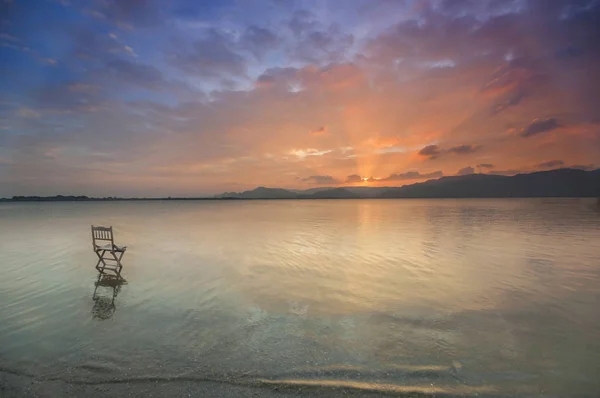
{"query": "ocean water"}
pixel 467 297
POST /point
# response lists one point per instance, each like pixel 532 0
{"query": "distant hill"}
pixel 261 193
pixel 553 183
pixel 361 191
pixel 368 192
pixel 333 193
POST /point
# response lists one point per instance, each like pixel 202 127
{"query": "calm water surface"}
pixel 488 297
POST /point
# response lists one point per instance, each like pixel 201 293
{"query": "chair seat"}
pixel 110 247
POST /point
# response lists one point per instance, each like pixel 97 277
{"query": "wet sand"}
pixel 18 386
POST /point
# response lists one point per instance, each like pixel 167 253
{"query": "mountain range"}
pixel 553 183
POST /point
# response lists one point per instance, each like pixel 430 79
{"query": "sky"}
pixel 190 98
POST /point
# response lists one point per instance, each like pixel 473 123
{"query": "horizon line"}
pixel 217 196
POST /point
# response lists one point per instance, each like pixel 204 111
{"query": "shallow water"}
pixel 488 297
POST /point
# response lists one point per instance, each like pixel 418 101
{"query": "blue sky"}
pixel 174 97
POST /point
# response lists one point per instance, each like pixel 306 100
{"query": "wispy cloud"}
pixel 320 180
pixel 320 131
pixel 354 178
pixel 302 153
pixel 413 175
pixel 434 151
pixel 550 164
pixel 538 126
pixel 465 171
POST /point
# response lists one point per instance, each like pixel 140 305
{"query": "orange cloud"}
pixel 320 131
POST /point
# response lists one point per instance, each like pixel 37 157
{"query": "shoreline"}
pixel 95 200
pixel 16 385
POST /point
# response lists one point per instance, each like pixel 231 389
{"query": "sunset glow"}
pixel 160 98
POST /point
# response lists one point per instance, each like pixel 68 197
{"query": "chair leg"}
pixel 98 266
pixel 119 266
pixel 100 260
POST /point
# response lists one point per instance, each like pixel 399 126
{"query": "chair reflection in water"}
pixel 104 304
pixel 108 251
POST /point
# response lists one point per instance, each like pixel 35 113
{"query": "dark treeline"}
pixel 82 198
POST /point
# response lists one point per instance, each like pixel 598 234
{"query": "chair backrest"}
pixel 102 233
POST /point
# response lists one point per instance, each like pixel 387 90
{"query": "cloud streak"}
pixel 550 164
pixel 465 171
pixel 434 151
pixel 354 178
pixel 320 180
pixel 413 175
pixel 538 126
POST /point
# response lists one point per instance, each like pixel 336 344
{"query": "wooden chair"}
pixel 107 252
